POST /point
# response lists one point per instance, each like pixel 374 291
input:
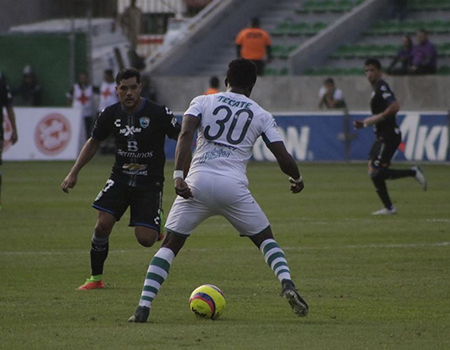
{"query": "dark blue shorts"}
pixel 145 203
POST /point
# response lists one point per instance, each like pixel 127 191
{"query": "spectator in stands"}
pixel 404 57
pixel 330 96
pixel 424 59
pixel 399 9
pixel 213 86
pixel 29 92
pixel 253 43
pixel 131 22
pixel 82 97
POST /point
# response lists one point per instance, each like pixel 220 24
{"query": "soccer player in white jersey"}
pixel 228 125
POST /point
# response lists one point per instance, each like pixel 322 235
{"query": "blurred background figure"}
pixel 108 94
pixel 213 86
pixel 29 92
pixel 253 43
pixel 424 60
pixel 330 96
pixel 195 6
pixel 82 97
pixel 403 57
pixel 147 89
pixel 399 9
pixel 131 22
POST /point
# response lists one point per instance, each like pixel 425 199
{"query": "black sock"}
pixel 380 186
pixel 392 174
pixel 99 253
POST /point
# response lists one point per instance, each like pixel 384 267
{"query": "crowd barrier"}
pixel 55 134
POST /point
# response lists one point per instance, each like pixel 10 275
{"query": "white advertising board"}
pixel 44 134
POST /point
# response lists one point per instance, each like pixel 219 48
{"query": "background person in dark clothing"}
pixel 424 59
pixel 139 127
pixel 6 102
pixel 404 58
pixel 384 108
pixel 29 92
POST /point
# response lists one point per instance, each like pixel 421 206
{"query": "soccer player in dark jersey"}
pixel 139 128
pixel 6 102
pixel 384 108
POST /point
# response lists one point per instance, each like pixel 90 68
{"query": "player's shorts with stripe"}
pixel 145 203
pixel 216 195
pixel 383 149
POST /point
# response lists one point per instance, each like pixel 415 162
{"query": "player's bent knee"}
pixel 102 229
pixel 146 236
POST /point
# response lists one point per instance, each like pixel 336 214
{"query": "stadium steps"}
pixel 337 71
pixel 429 5
pixel 281 51
pixel 298 28
pixel 380 51
pixel 409 27
pixel 270 71
pixel 321 6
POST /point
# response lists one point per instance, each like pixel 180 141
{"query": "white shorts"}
pixel 216 195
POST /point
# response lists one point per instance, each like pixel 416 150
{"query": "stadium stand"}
pixel 382 40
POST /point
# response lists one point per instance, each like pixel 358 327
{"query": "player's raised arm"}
pixel 287 165
pixel 183 154
pixel 89 149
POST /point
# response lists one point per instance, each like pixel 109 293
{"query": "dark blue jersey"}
pixel 5 101
pixel 382 97
pixel 139 140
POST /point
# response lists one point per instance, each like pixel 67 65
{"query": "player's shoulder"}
pixel 155 109
pixel 382 85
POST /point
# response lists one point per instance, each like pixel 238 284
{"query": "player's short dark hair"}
pixel 424 31
pixel 255 23
pixel 373 62
pixel 214 82
pixel 108 72
pixel 329 81
pixel 241 73
pixel 128 73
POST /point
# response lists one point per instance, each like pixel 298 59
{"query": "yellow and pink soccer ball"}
pixel 207 301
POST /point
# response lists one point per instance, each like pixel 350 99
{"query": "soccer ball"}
pixel 207 301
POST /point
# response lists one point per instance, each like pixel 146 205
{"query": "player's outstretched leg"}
pixel 420 177
pixel 298 304
pixel 275 258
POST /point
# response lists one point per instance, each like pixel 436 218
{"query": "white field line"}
pixel 365 246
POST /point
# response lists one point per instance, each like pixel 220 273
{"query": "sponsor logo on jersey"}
pixel 127 154
pixel 129 130
pixel 213 154
pixel 144 122
pixel 117 123
pixel 135 169
pixel 52 134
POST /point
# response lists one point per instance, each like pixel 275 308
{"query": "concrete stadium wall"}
pixel 299 93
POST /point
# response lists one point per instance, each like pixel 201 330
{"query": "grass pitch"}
pixel 371 282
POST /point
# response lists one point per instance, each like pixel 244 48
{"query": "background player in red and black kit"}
pixel 6 101
pixel 384 108
pixel 139 128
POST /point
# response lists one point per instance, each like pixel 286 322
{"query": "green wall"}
pixel 49 56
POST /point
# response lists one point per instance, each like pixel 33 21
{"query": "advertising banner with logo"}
pixel 44 134
pixel 322 137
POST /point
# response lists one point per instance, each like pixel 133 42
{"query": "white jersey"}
pixel 229 126
pixel 83 99
pixel 108 95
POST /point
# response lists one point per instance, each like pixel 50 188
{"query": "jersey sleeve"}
pixel 171 126
pixel 196 107
pixel 386 94
pixel 270 132
pixel 267 41
pixel 101 129
pixel 5 95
